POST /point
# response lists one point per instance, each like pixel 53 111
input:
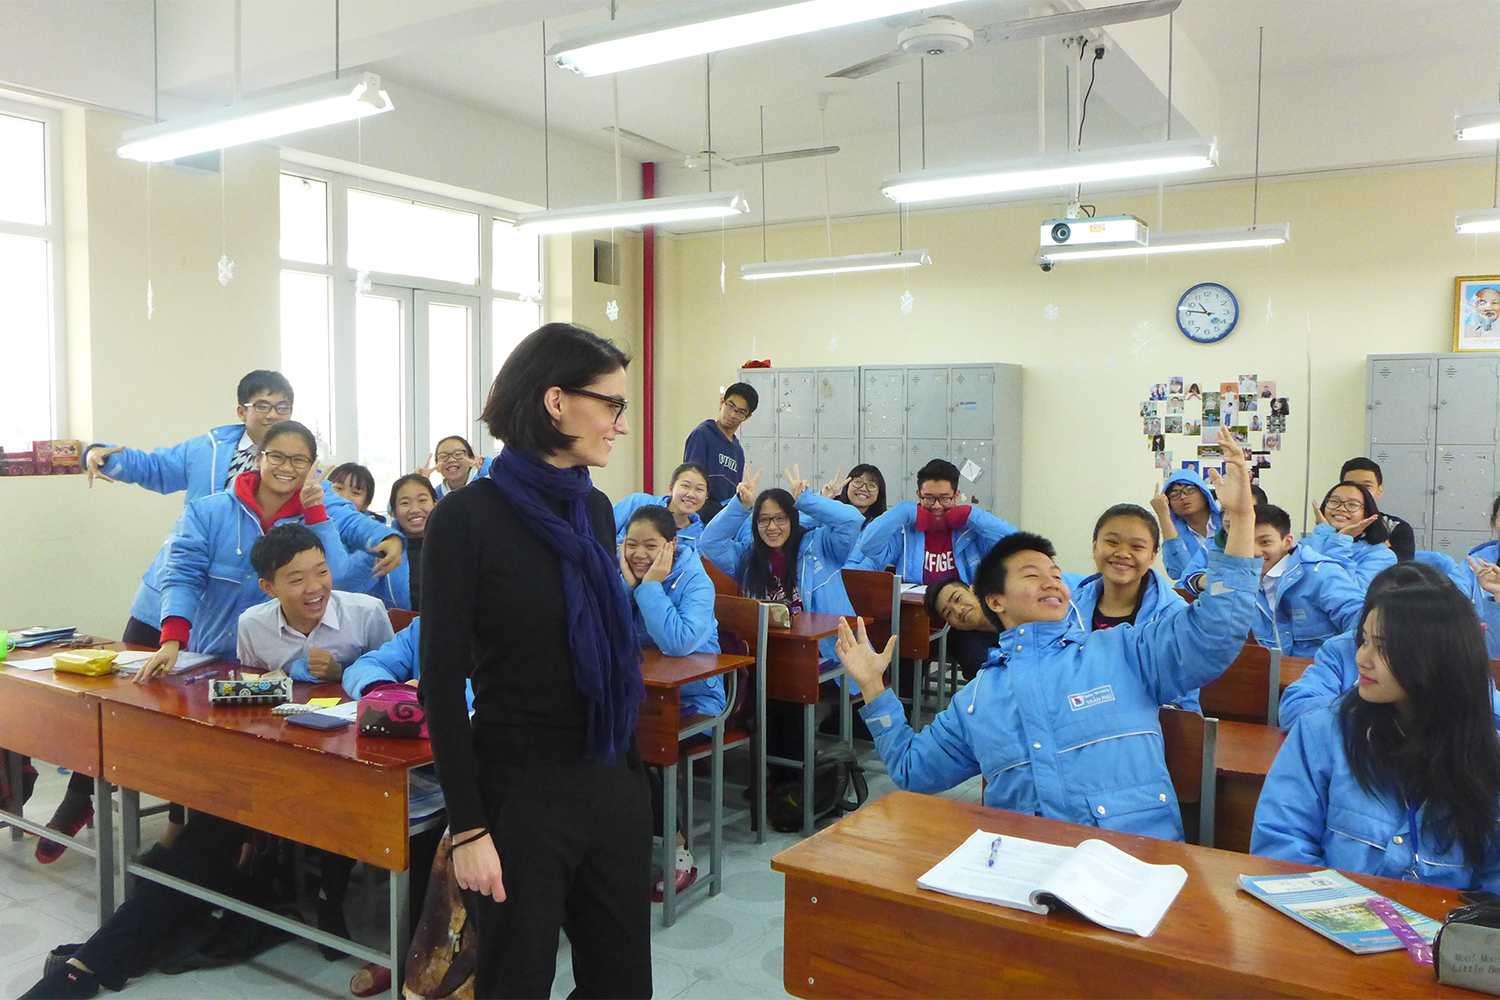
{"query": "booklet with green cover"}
pixel 1336 907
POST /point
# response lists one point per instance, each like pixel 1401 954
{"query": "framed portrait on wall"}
pixel 1476 313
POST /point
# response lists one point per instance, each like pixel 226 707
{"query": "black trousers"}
pixel 575 849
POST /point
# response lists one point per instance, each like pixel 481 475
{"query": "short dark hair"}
pixel 1275 517
pixel 1495 510
pixel 745 391
pixel 558 354
pixel 1260 495
pixel 407 480
pixel 460 439
pixel 658 517
pixel 989 578
pixel 687 467
pixel 264 380
pixel 285 427
pixel 1136 511
pixel 280 546
pixel 938 470
pixel 935 593
pixel 1362 464
pixel 355 475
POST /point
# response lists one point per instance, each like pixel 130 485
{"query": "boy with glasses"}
pixel 714 445
pixel 1189 516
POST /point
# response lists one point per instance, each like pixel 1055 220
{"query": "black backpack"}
pixel 836 771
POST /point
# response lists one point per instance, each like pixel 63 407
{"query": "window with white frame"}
pixel 30 276
pixel 389 335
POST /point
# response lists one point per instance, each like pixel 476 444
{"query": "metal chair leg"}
pixel 809 752
pixel 669 845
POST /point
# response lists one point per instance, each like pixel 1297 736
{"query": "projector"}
pixel 1108 229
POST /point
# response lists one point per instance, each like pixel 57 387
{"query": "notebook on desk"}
pixel 1336 907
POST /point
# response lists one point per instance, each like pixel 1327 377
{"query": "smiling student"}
pixel 355 483
pixel 411 501
pixel 1366 472
pixel 1350 529
pixel 1400 777
pixel 714 446
pixel 1305 597
pixel 684 500
pixel 1062 722
pixel 455 463
pixel 1188 516
pixel 864 491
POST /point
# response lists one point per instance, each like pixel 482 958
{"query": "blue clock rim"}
pixel 1227 331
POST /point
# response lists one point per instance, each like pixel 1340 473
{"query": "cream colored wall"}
pixel 1369 269
pixel 76 554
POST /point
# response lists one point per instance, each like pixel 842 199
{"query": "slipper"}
pixel 370 981
pixel 68 820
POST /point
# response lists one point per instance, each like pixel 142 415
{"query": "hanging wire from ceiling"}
pixel 763 257
pixel 923 64
pixel 1260 65
pixel 1496 202
pixel 708 113
pixel 900 208
pixel 1084 46
pixel 546 131
pixel 1161 181
pixel 337 40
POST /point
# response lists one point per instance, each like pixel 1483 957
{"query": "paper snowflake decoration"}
pixel 612 310
pixel 1268 309
pixel 534 294
pixel 1050 312
pixel 723 269
pixel 362 281
pixel 150 301
pixel 1146 341
pixel 906 303
pixel 226 270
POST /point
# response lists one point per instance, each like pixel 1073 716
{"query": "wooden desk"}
pixel 659 730
pixel 858 926
pixel 1245 754
pixel 1292 669
pixel 793 674
pixel 917 629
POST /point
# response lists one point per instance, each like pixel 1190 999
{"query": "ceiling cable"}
pixel 546 132
pixel 762 184
pixel 1260 65
pixel 337 47
pixel 708 113
pixel 900 212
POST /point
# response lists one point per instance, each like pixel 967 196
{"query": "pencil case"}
pixel 88 662
pixel 1466 951
pixel 258 692
pixel 392 712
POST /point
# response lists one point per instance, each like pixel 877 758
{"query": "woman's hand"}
pixel 866 666
pixel 162 661
pixel 662 565
pixel 836 485
pixel 747 491
pixel 312 488
pixel 1354 530
pixel 1318 517
pixel 389 555
pixel 98 459
pixel 476 865
pixel 625 570
pixel 795 484
pixel 428 469
pixel 1488 574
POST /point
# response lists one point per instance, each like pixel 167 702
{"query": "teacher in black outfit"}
pixel 547 798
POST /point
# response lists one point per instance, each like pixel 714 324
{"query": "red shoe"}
pixel 687 874
pixel 370 981
pixel 48 851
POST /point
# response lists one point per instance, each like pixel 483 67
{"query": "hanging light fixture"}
pixel 1477 121
pixel 625 214
pixel 890 260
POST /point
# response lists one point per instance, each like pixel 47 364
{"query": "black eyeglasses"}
pixel 265 408
pixel 617 402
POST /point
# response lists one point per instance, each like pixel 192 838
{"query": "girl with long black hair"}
pixel 1352 530
pixel 1400 777
pixel 864 490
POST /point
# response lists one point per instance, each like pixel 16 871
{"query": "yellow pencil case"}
pixel 89 662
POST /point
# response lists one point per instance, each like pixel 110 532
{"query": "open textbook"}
pixel 1097 880
pixel 1336 907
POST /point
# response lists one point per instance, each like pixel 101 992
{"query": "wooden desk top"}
pixel 66 684
pixel 1215 940
pixel 1247 748
pixel 662 671
pixel 808 625
pixel 912 597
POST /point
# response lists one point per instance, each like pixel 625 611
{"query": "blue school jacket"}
pixel 892 539
pixel 398 660
pixel 724 459
pixel 393 589
pixel 1361 559
pixel 1159 599
pixel 635 501
pixel 1316 598
pixel 1314 812
pixel 483 470
pixel 1460 573
pixel 677 617
pixel 206 576
pixel 1177 553
pixel 198 465
pixel 1063 723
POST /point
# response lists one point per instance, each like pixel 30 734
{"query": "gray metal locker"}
pixel 980 488
pixel 1399 401
pixel 802 452
pixel 1465 484
pixel 1468 397
pixel 883 403
pixel 887 455
pixel 796 403
pixel 762 423
pixel 836 456
pixel 760 453
pixel 838 403
pixel 919 452
pixel 1406 470
pixel 1458 543
pixel 972 402
pixel 927 403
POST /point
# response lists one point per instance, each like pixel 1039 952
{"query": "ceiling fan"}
pixel 701 159
pixel 940 35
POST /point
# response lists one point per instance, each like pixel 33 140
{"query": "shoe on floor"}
pixel 687 874
pixel 153 856
pixel 67 983
pixel 331 919
pixel 372 980
pixel 72 815
pixel 57 958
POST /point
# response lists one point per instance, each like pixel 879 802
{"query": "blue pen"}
pixel 994 850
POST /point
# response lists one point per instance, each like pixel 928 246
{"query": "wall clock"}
pixel 1207 312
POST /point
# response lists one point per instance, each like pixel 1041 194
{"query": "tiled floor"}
pixel 722 947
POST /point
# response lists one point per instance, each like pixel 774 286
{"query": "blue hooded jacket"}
pixel 1361 559
pixel 892 539
pixel 198 465
pixel 1313 811
pixel 1177 553
pixel 1158 600
pixel 398 660
pixel 692 533
pixel 1316 598
pixel 677 617
pixel 1484 603
pixel 1063 723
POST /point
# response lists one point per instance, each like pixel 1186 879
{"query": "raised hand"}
pixel 836 485
pixel 312 488
pixel 475 461
pixel 866 666
pixel 795 484
pixel 1357 528
pixel 1233 487
pixel 746 491
pixel 98 457
pixel 1318 517
pixel 1488 574
pixel 389 551
pixel 662 564
pixel 625 571
pixel 428 469
pixel 1161 504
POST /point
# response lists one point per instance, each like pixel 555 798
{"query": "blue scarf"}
pixel 601 629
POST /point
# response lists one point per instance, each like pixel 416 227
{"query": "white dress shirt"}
pixel 352 625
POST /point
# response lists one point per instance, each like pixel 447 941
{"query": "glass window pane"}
pixel 304 219
pixel 515 258
pixel 23 171
pixel 378 397
pixel 403 237
pixel 25 341
pixel 305 346
pixel 448 372
pixel 512 322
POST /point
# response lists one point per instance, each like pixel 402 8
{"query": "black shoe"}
pixel 67 983
pixel 58 957
pixel 331 919
pixel 153 856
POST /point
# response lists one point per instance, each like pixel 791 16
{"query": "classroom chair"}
pixel 1190 742
pixel 1249 690
pixel 723 584
pixel 1185 594
pixel 400 618
pixel 875 596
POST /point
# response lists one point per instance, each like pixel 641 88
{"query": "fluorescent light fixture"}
pixel 1477 121
pixel 325 103
pixel 626 214
pixel 1485 220
pixel 1183 242
pixel 835 265
pixel 692 29
pixel 1085 167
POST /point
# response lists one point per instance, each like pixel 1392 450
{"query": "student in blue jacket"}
pixel 1062 722
pixel 455 463
pixel 1189 516
pixel 933 538
pixel 411 501
pixel 674 611
pixel 715 446
pixel 1401 776
pixel 685 498
pixel 1351 529
pixel 1305 597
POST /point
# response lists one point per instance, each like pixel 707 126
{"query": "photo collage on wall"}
pixel 1181 422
